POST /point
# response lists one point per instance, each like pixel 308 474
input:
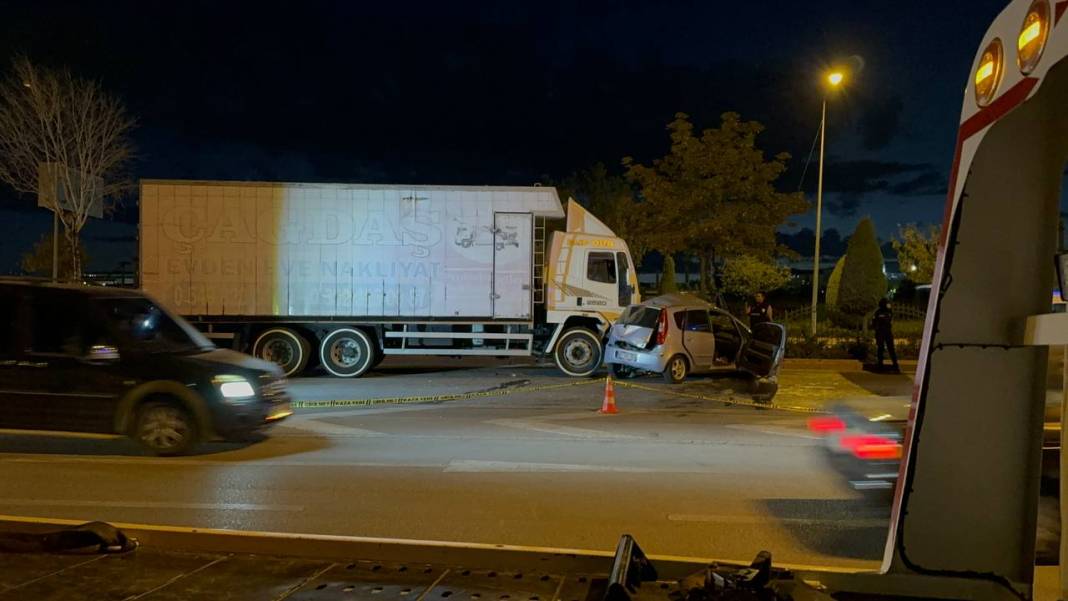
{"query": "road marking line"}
pixel 764 519
pixel 149 505
pixel 244 462
pixel 475 465
pixel 330 429
pixel 773 430
pixel 537 425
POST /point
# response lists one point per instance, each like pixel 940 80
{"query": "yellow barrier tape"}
pixel 463 396
pixel 437 398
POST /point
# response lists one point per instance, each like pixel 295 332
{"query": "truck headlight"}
pixel 234 388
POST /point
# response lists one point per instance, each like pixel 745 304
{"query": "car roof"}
pixel 678 300
pixel 101 291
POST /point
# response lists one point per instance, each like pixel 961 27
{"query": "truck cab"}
pixel 590 280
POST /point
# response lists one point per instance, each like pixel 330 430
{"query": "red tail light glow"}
pixel 662 327
pixel 823 425
pixel 869 446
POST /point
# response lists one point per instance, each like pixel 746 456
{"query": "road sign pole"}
pixel 55 245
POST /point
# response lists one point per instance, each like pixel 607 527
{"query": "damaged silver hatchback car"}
pixel 679 334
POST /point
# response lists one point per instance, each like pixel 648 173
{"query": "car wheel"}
pixel 622 372
pixel 284 347
pixel 347 352
pixel 676 369
pixel 578 352
pixel 165 428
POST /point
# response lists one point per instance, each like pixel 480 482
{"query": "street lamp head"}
pixel 835 78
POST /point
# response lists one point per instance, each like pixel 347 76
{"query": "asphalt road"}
pixel 686 476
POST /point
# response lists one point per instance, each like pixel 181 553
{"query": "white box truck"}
pixel 341 275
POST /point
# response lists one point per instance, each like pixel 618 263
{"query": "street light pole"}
pixel 819 217
pixel 834 79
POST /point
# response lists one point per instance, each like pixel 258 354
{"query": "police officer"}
pixel 883 324
pixel 759 311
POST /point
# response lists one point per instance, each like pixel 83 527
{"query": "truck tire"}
pixel 165 428
pixel 347 352
pixel 285 347
pixel 578 352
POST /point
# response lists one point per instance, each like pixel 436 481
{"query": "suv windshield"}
pixel 147 327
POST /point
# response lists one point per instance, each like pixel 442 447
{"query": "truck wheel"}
pixel 676 369
pixel 284 347
pixel 165 428
pixel 347 352
pixel 578 352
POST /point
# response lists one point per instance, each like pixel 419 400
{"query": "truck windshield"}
pixel 640 316
pixel 147 327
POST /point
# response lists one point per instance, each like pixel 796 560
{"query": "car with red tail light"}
pixel 678 334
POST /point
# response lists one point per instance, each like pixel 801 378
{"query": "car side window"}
pixel 56 326
pixel 697 321
pixel 601 267
pixel 680 319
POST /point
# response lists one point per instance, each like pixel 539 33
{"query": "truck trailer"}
pixel 342 275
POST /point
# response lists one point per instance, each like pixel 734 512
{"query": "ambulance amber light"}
pixel 1034 33
pixel 1029 34
pixel 986 70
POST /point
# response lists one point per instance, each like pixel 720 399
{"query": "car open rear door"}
pixel 762 353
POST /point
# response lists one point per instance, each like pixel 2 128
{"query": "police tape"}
pixel 730 401
pixel 504 391
pixel 438 398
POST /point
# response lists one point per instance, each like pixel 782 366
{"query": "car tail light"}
pixel 869 446
pixel 824 425
pixel 662 327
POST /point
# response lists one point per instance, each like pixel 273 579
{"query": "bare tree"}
pixel 68 130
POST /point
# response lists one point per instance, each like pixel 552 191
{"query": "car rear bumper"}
pixel 644 360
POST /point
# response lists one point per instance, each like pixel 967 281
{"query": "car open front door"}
pixel 762 353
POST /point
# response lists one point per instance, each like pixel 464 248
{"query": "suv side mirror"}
pixel 101 353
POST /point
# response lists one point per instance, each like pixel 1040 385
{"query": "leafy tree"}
pixel 863 280
pixel 834 282
pixel 714 194
pixel 668 281
pixel 917 249
pixel 745 275
pixel 53 124
pixel 38 260
pixel 611 199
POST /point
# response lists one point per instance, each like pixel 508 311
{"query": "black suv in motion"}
pixel 105 360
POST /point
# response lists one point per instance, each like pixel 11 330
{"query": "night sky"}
pixel 508 93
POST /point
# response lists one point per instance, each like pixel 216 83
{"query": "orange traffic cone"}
pixel 608 407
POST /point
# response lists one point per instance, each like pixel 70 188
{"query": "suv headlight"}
pixel 234 388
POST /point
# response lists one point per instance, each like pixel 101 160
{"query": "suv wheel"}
pixel 165 428
pixel 578 352
pixel 676 369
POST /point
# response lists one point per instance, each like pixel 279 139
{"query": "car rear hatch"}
pixel 635 327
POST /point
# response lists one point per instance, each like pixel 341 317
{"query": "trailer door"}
pixel 512 233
